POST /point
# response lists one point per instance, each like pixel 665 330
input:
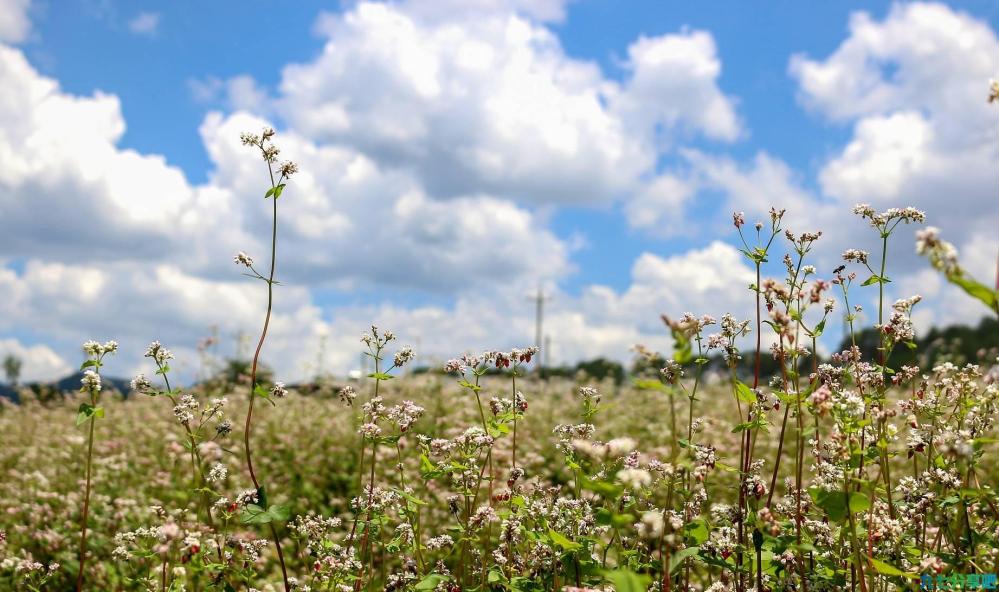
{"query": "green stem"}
pixel 253 375
pixel 516 412
pixel 86 501
pixel 853 542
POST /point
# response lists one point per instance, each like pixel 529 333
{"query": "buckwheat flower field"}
pixel 802 405
pixel 855 472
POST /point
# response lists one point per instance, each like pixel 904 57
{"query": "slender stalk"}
pixel 163 576
pixel 516 412
pixel 371 479
pixel 883 360
pixel 780 451
pixel 881 284
pixel 260 345
pixel 86 505
pixel 747 443
pixel 91 384
pixel 247 428
pixel 858 563
pixel 674 447
pixel 197 477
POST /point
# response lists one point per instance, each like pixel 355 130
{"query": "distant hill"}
pixel 72 383
pixel 957 343
pixel 69 383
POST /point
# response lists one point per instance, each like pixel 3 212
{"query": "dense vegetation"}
pixel 861 472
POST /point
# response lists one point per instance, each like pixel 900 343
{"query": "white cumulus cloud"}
pixel 15 25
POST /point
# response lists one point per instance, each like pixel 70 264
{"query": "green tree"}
pixel 12 368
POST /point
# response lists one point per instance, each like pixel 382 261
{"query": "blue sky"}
pixel 769 131
pixel 89 46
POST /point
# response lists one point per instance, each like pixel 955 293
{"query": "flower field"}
pixel 845 472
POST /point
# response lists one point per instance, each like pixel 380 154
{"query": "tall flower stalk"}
pixel 88 414
pixel 899 329
pixel 278 175
pixel 758 255
pixel 372 413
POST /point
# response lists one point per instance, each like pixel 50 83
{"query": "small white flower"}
pixel 158 353
pixel 218 473
pixel 404 356
pixel 141 384
pixel 91 381
pixel 634 478
pixel 242 258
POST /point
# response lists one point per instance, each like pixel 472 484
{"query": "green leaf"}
pixel 88 364
pixel 949 501
pixel 254 514
pixel 562 541
pixel 859 502
pixel 819 328
pixel 604 488
pixel 682 351
pixel 262 497
pixel 88 411
pixel 412 498
pixel 874 279
pixel 677 558
pixel 275 191
pixel 525 584
pixel 833 502
pixel 607 518
pixel 725 467
pixel 648 384
pixel 836 503
pixel 263 393
pixel 628 581
pixel 279 513
pixel 804 547
pixel 83 415
pixel 697 530
pixel 623 520
pixel 380 376
pixel 890 570
pixel 426 467
pixel 973 288
pixel 431 582
pixel 744 393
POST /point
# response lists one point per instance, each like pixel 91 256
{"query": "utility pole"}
pixel 997 281
pixel 242 340
pixel 547 352
pixel 320 358
pixel 539 311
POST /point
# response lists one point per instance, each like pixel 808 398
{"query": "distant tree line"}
pixel 959 344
